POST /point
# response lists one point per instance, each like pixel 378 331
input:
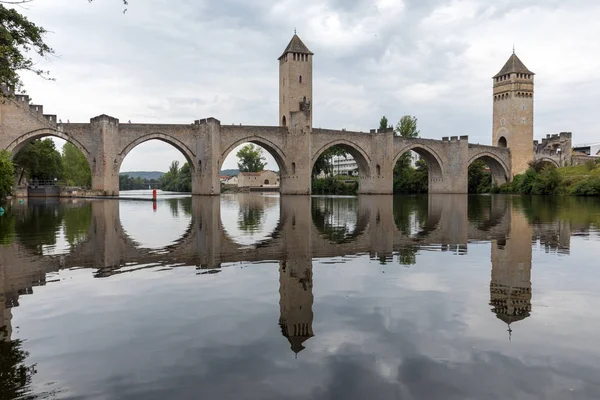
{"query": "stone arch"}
pixel 431 157
pixel 182 147
pixel 266 144
pixel 16 145
pixel 549 161
pixel 358 153
pixel 500 171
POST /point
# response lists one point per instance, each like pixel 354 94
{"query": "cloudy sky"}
pixel 174 61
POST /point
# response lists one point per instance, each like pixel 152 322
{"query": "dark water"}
pixel 262 297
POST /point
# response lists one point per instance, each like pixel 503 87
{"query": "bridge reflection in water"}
pixel 382 226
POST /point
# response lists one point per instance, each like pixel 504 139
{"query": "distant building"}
pixel 231 180
pixel 589 149
pixel 265 178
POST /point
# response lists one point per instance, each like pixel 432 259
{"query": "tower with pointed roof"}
pixel 295 82
pixel 513 112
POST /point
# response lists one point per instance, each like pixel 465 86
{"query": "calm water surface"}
pixel 267 297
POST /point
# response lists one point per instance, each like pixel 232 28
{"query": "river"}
pixel 250 296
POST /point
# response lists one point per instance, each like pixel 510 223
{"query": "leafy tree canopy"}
pixel 383 123
pixel 40 160
pixel 76 169
pixel 407 127
pixel 251 159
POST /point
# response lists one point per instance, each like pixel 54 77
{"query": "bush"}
pixel 590 164
pixel 331 185
pixel 588 187
pixel 547 182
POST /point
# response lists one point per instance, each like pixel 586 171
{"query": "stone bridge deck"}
pixel 205 143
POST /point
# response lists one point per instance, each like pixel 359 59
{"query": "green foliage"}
pixel 480 181
pixel 588 187
pixel 333 186
pixel 251 159
pixel 590 164
pixel 408 179
pixel 548 181
pixel 19 40
pixel 7 173
pixel 177 179
pixel 76 169
pixel 383 123
pixel 127 182
pixel 39 160
pixel 407 127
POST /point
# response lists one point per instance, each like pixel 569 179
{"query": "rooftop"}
pixel 296 46
pixel 514 64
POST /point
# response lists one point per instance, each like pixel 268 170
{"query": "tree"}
pixel 39 160
pixel 19 38
pixel 250 159
pixel 76 169
pixel 406 178
pixel 7 174
pixel 383 123
pixel 407 127
pixel 480 181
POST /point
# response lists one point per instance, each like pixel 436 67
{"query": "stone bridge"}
pixel 205 143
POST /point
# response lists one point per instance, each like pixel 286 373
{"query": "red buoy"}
pixel 153 194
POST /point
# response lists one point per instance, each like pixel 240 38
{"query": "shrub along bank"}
pixel 578 180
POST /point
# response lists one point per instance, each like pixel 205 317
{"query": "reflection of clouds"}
pixel 152 228
pixel 264 210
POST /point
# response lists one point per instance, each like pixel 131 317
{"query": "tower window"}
pixel 300 79
pixel 502 142
pixel 283 121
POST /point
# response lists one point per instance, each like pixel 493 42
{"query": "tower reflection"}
pixel 510 287
pixel 295 302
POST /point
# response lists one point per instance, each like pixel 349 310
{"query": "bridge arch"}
pixel 363 161
pixel 500 171
pixel 178 144
pixel 548 160
pixel 16 145
pixel 431 157
pixel 266 144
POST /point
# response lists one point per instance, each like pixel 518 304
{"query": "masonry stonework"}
pixel 513 112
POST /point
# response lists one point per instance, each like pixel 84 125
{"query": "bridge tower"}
pixel 295 81
pixel 513 112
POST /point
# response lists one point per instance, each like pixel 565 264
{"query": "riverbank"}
pixel 578 180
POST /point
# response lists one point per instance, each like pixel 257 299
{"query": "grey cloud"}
pixel 174 64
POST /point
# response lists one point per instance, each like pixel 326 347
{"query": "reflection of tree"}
pixel 174 206
pixel 77 222
pixel 407 255
pixel 15 375
pixel 250 218
pixel 38 225
pixel 7 227
pixel 410 213
pixel 186 205
pixel 335 217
